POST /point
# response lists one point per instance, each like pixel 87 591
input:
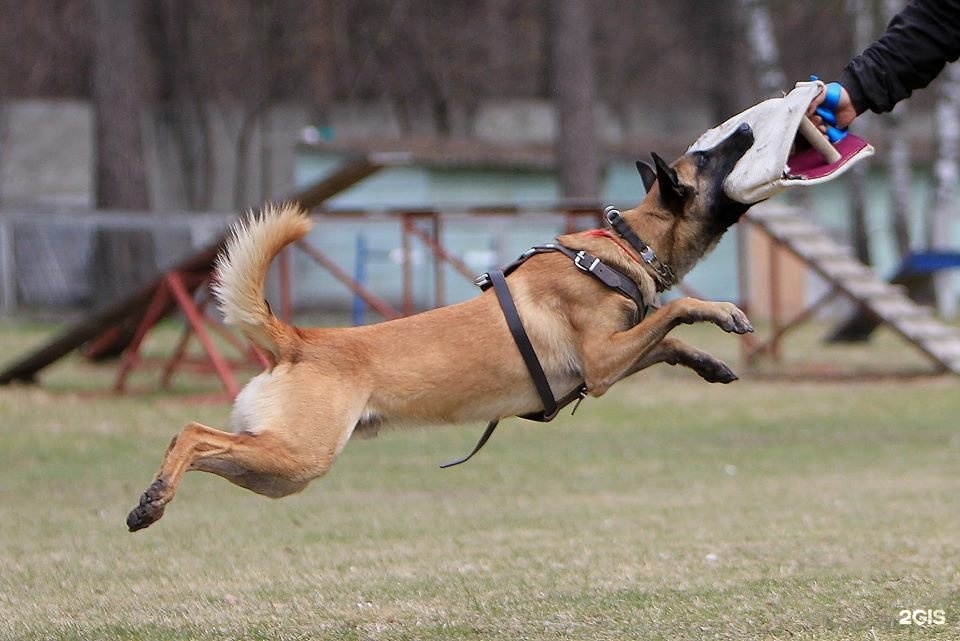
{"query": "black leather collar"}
pixel 662 273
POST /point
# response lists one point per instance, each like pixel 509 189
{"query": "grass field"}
pixel 669 509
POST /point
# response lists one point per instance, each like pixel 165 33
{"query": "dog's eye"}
pixel 702 160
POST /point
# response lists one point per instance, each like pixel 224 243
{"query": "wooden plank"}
pixel 892 309
pixel 945 349
pixel 815 249
pixel 866 288
pixel 954 365
pixel 925 329
pixel 768 211
pixel 25 369
pixel 842 267
pixel 793 228
pixel 340 180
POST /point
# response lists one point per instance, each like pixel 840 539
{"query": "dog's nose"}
pixel 741 139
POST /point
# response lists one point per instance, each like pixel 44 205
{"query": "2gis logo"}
pixel 920 616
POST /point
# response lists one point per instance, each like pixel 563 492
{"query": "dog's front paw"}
pixel 150 508
pixel 710 369
pixel 717 372
pixel 730 318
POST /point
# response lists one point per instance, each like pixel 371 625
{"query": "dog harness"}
pixel 588 264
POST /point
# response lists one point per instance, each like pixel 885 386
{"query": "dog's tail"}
pixel 241 270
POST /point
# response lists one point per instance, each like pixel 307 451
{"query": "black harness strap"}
pixel 512 316
pixel 586 263
pixel 487 433
pixel 499 283
pixel 497 279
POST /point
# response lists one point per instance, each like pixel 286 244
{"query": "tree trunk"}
pixel 120 260
pixel 770 79
pixel 121 180
pixel 898 166
pixel 861 15
pixel 762 41
pixel 720 30
pixel 571 34
pixel 945 176
pixel 185 115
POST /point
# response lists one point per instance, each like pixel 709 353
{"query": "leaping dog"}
pixel 461 363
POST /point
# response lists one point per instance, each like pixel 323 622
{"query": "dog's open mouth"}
pixel 772 160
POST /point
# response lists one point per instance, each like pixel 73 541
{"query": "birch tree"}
pixel 861 16
pixel 945 180
pixel 898 165
pixel 762 41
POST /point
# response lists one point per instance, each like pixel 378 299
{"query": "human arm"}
pixel 917 44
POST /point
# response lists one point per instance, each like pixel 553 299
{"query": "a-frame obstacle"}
pixel 120 328
pixel 887 304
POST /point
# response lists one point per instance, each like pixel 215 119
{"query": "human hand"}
pixel 844 111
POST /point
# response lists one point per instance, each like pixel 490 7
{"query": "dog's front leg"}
pixel 609 356
pixel 674 351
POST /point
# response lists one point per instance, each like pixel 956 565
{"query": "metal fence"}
pixel 49 260
pixel 52 261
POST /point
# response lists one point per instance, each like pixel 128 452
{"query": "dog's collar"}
pixel 662 273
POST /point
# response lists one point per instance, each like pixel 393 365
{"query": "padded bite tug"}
pixel 781 159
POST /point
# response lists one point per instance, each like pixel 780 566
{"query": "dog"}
pixel 455 364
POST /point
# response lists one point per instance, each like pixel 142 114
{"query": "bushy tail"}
pixel 241 270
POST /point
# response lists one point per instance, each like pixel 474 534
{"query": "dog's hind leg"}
pixel 264 462
pixel 674 351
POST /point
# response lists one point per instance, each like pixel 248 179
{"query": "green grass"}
pixel 669 509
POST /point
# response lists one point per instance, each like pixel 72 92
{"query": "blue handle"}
pixel 827 111
pixel 828 116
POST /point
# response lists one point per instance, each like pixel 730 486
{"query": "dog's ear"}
pixel 671 191
pixel 647 174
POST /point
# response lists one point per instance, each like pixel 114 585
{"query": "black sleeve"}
pixel 917 44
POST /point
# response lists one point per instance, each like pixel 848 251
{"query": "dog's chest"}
pixel 553 340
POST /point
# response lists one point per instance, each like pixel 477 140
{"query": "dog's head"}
pixel 686 209
pixel 693 184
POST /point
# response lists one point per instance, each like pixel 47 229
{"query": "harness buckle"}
pixel 584 256
pixel 482 281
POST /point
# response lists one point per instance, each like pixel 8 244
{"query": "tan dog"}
pixel 458 363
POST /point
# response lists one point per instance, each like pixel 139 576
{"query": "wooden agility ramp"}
pixel 789 228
